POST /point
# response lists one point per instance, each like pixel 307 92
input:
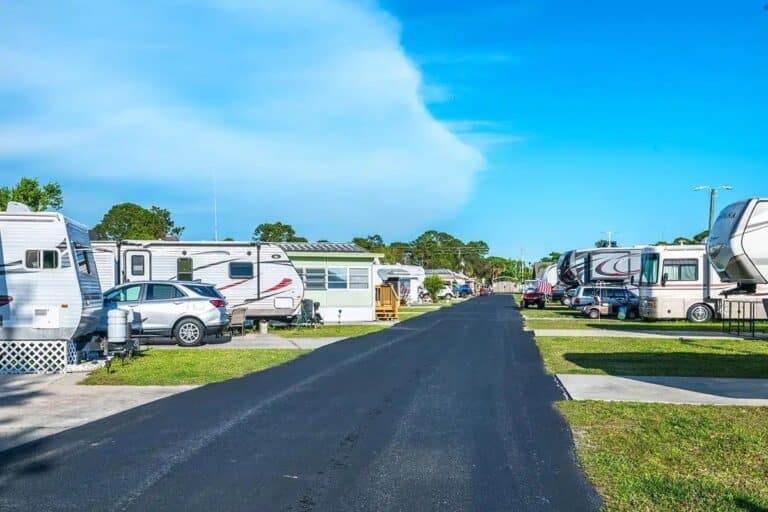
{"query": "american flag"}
pixel 544 287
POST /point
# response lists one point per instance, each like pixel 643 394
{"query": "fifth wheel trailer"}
pixel 49 289
pixel 607 264
pixel 738 244
pixel 256 276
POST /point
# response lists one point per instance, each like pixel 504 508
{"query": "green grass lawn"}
pixel 190 366
pixel 655 356
pixel 580 322
pixel 659 457
pixel 329 331
pixel 552 311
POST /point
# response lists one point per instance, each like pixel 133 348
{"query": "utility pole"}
pixel 707 265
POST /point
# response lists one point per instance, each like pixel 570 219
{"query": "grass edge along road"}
pixel 190 367
pixel 681 357
pixel 329 331
pixel 649 457
pixel 628 325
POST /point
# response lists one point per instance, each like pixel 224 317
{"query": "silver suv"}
pixel 187 311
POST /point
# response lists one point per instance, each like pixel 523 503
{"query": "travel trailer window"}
pixel 649 269
pixel 314 278
pixel 137 264
pixel 184 271
pixel 681 270
pixel 240 270
pixel 337 278
pixel 358 278
pixel 163 292
pixel 49 259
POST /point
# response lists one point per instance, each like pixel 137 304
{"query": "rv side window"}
pixel 681 270
pixel 649 269
pixel 50 259
pixel 184 269
pixel 337 278
pixel 241 270
pixel 358 278
pixel 137 265
pixel 314 278
pixel 32 259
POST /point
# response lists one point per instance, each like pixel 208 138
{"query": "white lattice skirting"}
pixel 36 356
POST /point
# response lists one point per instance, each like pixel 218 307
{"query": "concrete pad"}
pixel 669 390
pixel 35 406
pixel 621 333
pixel 253 341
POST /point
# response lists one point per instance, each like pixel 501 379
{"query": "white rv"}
pixel 257 276
pixel 407 280
pixel 677 282
pixel 738 244
pixel 606 264
pixel 49 289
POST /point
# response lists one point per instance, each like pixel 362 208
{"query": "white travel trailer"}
pixel 738 244
pixel 49 289
pixel 606 264
pixel 675 283
pixel 257 276
pixel 407 280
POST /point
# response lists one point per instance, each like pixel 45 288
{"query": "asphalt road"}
pixel 448 411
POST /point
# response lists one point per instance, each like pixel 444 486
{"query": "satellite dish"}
pixel 14 207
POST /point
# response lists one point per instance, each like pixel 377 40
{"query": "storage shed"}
pixel 337 275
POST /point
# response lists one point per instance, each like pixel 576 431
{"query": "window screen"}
pixel 163 292
pixel 137 265
pixel 314 278
pixel 241 270
pixel 184 270
pixel 337 278
pixel 358 278
pixel 32 259
pixel 681 270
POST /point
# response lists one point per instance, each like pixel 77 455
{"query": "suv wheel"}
pixel 700 313
pixel 593 314
pixel 189 332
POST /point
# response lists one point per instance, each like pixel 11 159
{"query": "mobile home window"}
pixel 358 278
pixel 337 278
pixel 184 270
pixel 649 268
pixel 137 265
pixel 314 278
pixel 241 270
pixel 682 270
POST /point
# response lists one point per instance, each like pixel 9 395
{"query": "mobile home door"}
pixel 136 266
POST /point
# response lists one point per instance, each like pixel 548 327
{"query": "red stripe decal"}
pixel 234 284
pixel 282 284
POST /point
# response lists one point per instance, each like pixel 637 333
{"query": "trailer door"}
pixel 136 265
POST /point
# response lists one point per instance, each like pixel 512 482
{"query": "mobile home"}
pixel 607 264
pixel 256 276
pixel 49 289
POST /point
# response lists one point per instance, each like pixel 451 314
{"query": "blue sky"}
pixel 527 124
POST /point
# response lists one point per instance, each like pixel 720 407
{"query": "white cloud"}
pixel 310 109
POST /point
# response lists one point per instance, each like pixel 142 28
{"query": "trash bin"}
pixel 263 325
pixel 118 328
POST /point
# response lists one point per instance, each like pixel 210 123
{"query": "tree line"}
pixel 432 249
